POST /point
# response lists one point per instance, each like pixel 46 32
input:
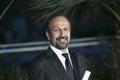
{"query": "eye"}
pixel 67 29
pixel 56 29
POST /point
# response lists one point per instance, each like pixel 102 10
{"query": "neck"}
pixel 64 50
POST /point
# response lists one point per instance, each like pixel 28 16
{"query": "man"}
pixel 52 64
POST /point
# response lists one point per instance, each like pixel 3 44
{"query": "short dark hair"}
pixel 50 18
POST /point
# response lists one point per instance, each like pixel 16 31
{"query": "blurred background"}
pixel 95 33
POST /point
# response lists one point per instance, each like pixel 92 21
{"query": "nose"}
pixel 62 32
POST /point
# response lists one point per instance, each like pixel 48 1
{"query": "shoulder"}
pixel 78 54
pixel 80 57
pixel 42 57
pixel 36 66
pixel 39 59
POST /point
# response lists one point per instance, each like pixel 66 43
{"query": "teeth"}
pixel 62 40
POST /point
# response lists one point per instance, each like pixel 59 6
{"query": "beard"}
pixel 62 42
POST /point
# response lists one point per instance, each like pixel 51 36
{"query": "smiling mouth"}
pixel 62 39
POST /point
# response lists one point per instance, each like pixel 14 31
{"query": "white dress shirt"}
pixel 60 56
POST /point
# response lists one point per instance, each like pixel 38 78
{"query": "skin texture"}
pixel 59 32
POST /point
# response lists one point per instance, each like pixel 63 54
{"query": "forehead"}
pixel 59 21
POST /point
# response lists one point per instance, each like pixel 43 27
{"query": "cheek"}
pixel 68 34
pixel 53 36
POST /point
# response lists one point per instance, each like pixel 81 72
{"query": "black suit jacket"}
pixel 47 66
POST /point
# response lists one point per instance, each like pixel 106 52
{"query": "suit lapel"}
pixel 75 66
pixel 57 64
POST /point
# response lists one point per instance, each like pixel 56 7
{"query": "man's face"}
pixel 59 32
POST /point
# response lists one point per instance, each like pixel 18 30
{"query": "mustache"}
pixel 62 37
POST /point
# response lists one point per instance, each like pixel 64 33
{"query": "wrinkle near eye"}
pixel 56 29
pixel 67 29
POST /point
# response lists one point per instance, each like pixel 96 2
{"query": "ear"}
pixel 47 34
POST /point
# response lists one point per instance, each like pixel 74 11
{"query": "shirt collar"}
pixel 59 53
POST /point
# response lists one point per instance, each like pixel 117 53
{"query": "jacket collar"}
pixel 59 67
pixel 56 64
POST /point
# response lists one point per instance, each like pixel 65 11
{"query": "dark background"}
pixel 17 26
